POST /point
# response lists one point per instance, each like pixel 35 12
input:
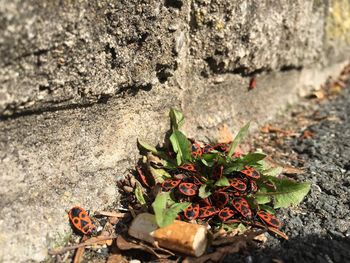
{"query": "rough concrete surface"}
pixel 56 53
pixel 80 81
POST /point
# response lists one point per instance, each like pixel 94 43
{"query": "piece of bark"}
pixel 186 238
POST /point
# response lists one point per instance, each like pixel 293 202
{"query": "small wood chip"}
pixel 111 214
pixel 79 254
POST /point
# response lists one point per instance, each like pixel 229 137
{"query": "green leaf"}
pixel 209 157
pixel 159 175
pixel 166 215
pixel 147 147
pixel 267 208
pixel 204 191
pixel 262 199
pixel 139 195
pixel 252 158
pixel 205 162
pixel 176 118
pixel 223 181
pixel 262 165
pixel 241 134
pixel 238 164
pixel 287 192
pixel 181 146
pixel 235 166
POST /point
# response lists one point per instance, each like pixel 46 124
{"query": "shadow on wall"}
pixel 312 248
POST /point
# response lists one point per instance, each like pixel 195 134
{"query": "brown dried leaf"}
pixel 128 189
pixel 232 239
pixel 271 129
pixel 292 170
pixel 307 134
pixel 116 258
pixel 99 241
pixel 154 160
pixel 232 245
pixel 123 244
pixel 224 134
pixel 221 233
pixel 113 220
pixel 272 229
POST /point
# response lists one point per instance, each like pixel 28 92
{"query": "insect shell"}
pixel 81 220
pixel 252 83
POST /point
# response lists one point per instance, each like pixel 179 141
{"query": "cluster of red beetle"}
pixel 226 203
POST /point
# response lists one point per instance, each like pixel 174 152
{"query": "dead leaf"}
pixel 116 258
pixel 276 260
pixel 232 239
pixel 271 129
pixel 128 189
pixel 307 134
pixel 292 170
pixel 232 245
pixel 79 254
pixel 261 238
pixel 272 229
pixel 113 220
pixel 224 134
pixel 123 244
pixel 222 233
pixel 153 160
pixel 101 240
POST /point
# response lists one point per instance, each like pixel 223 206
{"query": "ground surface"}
pixel 315 137
pixel 318 229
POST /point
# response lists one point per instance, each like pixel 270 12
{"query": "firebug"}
pixel 81 220
pixel 191 212
pixel 207 211
pixel 220 199
pixel 188 167
pixel 250 172
pixel 242 206
pixel 269 219
pixel 226 213
pixel 189 189
pixel 170 184
pixel 238 184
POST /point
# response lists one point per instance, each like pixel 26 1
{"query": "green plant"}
pixel 214 182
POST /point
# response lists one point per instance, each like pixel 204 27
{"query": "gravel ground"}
pixel 319 228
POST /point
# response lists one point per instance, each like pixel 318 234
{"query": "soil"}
pixel 318 228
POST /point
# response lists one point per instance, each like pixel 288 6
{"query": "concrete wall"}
pixel 80 81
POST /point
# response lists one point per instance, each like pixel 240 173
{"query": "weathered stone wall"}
pixel 80 81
